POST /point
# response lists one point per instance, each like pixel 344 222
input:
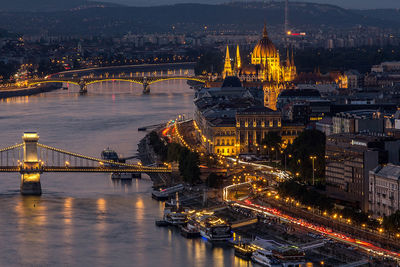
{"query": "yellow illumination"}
pixel 30 136
pixel 31 177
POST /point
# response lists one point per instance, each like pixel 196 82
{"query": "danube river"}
pixel 85 219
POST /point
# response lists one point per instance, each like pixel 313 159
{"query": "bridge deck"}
pixel 88 169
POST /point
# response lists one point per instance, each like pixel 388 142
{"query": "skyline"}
pixel 352 4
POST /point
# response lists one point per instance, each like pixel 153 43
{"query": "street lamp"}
pixel 313 158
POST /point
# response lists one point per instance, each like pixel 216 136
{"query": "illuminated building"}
pixel 215 113
pixel 253 124
pixel 231 119
pixel 349 159
pixel 228 66
pixel 265 68
pixel 290 131
pixel 384 190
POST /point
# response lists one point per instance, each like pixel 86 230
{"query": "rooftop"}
pixel 257 109
pixel 390 171
pixel 300 93
pixel 231 81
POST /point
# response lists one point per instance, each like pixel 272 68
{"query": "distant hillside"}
pixel 47 5
pixel 5 33
pixel 384 14
pixel 186 17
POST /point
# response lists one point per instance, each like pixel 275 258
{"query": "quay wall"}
pixel 26 91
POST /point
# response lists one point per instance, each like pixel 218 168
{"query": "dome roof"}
pixel 264 48
pixel 231 81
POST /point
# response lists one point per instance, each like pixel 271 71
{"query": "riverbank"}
pixel 148 157
pixel 7 93
pixel 249 223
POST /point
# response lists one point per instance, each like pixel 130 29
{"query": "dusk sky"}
pixel 359 4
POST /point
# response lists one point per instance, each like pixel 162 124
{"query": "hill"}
pixel 186 18
pixel 48 5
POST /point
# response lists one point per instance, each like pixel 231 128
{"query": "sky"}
pixel 358 4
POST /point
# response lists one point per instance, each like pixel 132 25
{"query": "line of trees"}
pixel 173 152
pixel 311 197
pixel 306 196
pixel 7 70
pixel 391 223
pixel 308 143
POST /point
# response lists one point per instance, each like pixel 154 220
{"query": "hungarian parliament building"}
pixel 266 69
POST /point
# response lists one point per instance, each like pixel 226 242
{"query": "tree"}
pixel 189 166
pixel 211 61
pixel 392 223
pixel 272 139
pixel 174 151
pixel 7 70
pixel 272 142
pixel 308 143
pixel 214 180
pixel 158 145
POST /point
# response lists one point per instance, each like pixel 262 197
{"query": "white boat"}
pixel 163 194
pixel 175 215
pixel 109 155
pixel 264 258
pixel 215 229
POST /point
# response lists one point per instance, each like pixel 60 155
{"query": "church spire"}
pixel 227 67
pixel 265 33
pixel 238 59
pixel 288 61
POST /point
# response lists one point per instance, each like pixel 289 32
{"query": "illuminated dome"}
pixel 264 49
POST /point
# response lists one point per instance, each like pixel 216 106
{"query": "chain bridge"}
pixel 83 82
pixel 31 158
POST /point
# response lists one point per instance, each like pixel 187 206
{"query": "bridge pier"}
pixel 31 167
pixel 83 89
pixel 146 88
pixel 30 185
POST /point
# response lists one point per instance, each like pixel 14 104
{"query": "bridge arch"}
pixel 52 81
pixel 175 78
pixel 114 79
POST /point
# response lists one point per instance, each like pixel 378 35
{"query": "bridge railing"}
pixel 11 156
pixel 69 159
pixel 55 159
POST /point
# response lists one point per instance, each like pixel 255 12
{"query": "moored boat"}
pixel 190 231
pixel 264 258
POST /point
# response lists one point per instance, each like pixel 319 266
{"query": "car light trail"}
pixel 272 212
pixel 322 230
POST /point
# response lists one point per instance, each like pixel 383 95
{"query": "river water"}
pixel 85 219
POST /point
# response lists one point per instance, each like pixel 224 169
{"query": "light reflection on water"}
pixel 85 219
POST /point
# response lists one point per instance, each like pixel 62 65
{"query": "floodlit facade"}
pixel 384 190
pixel 265 67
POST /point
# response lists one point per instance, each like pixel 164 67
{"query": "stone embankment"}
pixel 6 93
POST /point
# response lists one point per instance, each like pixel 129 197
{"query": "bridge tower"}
pixel 31 167
pixel 146 86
